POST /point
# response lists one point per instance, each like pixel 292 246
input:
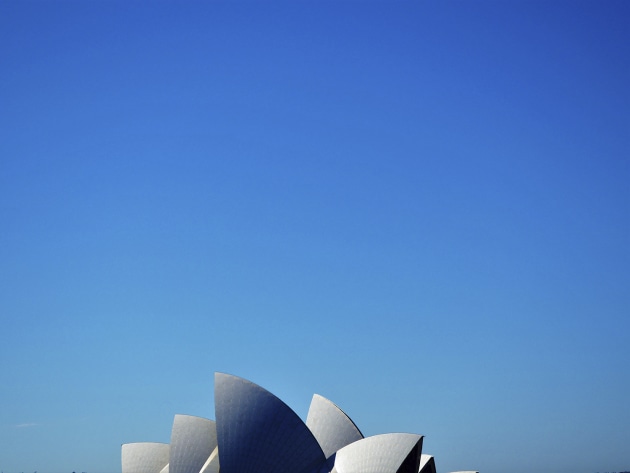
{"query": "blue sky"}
pixel 419 210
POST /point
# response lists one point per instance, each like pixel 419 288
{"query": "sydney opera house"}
pixel 255 432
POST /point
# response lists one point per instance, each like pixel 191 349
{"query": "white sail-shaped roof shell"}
pixel 427 464
pixel 258 433
pixel 255 432
pixel 144 457
pixel 332 427
pixel 192 441
pixel 386 453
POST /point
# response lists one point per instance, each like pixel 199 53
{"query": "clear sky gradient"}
pixel 420 210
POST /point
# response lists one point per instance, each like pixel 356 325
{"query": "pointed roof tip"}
pixel 320 398
pixel 331 426
pixel 288 444
pixel 219 374
pixel 193 416
pixel 225 373
pixel 427 464
pixel 220 377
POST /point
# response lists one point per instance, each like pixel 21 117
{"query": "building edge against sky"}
pixel 256 432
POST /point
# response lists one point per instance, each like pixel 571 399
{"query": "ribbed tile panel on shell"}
pixel 192 441
pixel 212 463
pixel 144 457
pixel 332 428
pixel 258 433
pixel 386 453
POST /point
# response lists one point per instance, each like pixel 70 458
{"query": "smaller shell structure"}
pixel 427 464
pixel 192 441
pixel 144 457
pixel 255 432
pixel 332 428
pixel 398 453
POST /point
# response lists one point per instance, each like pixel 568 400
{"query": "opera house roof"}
pixel 255 432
